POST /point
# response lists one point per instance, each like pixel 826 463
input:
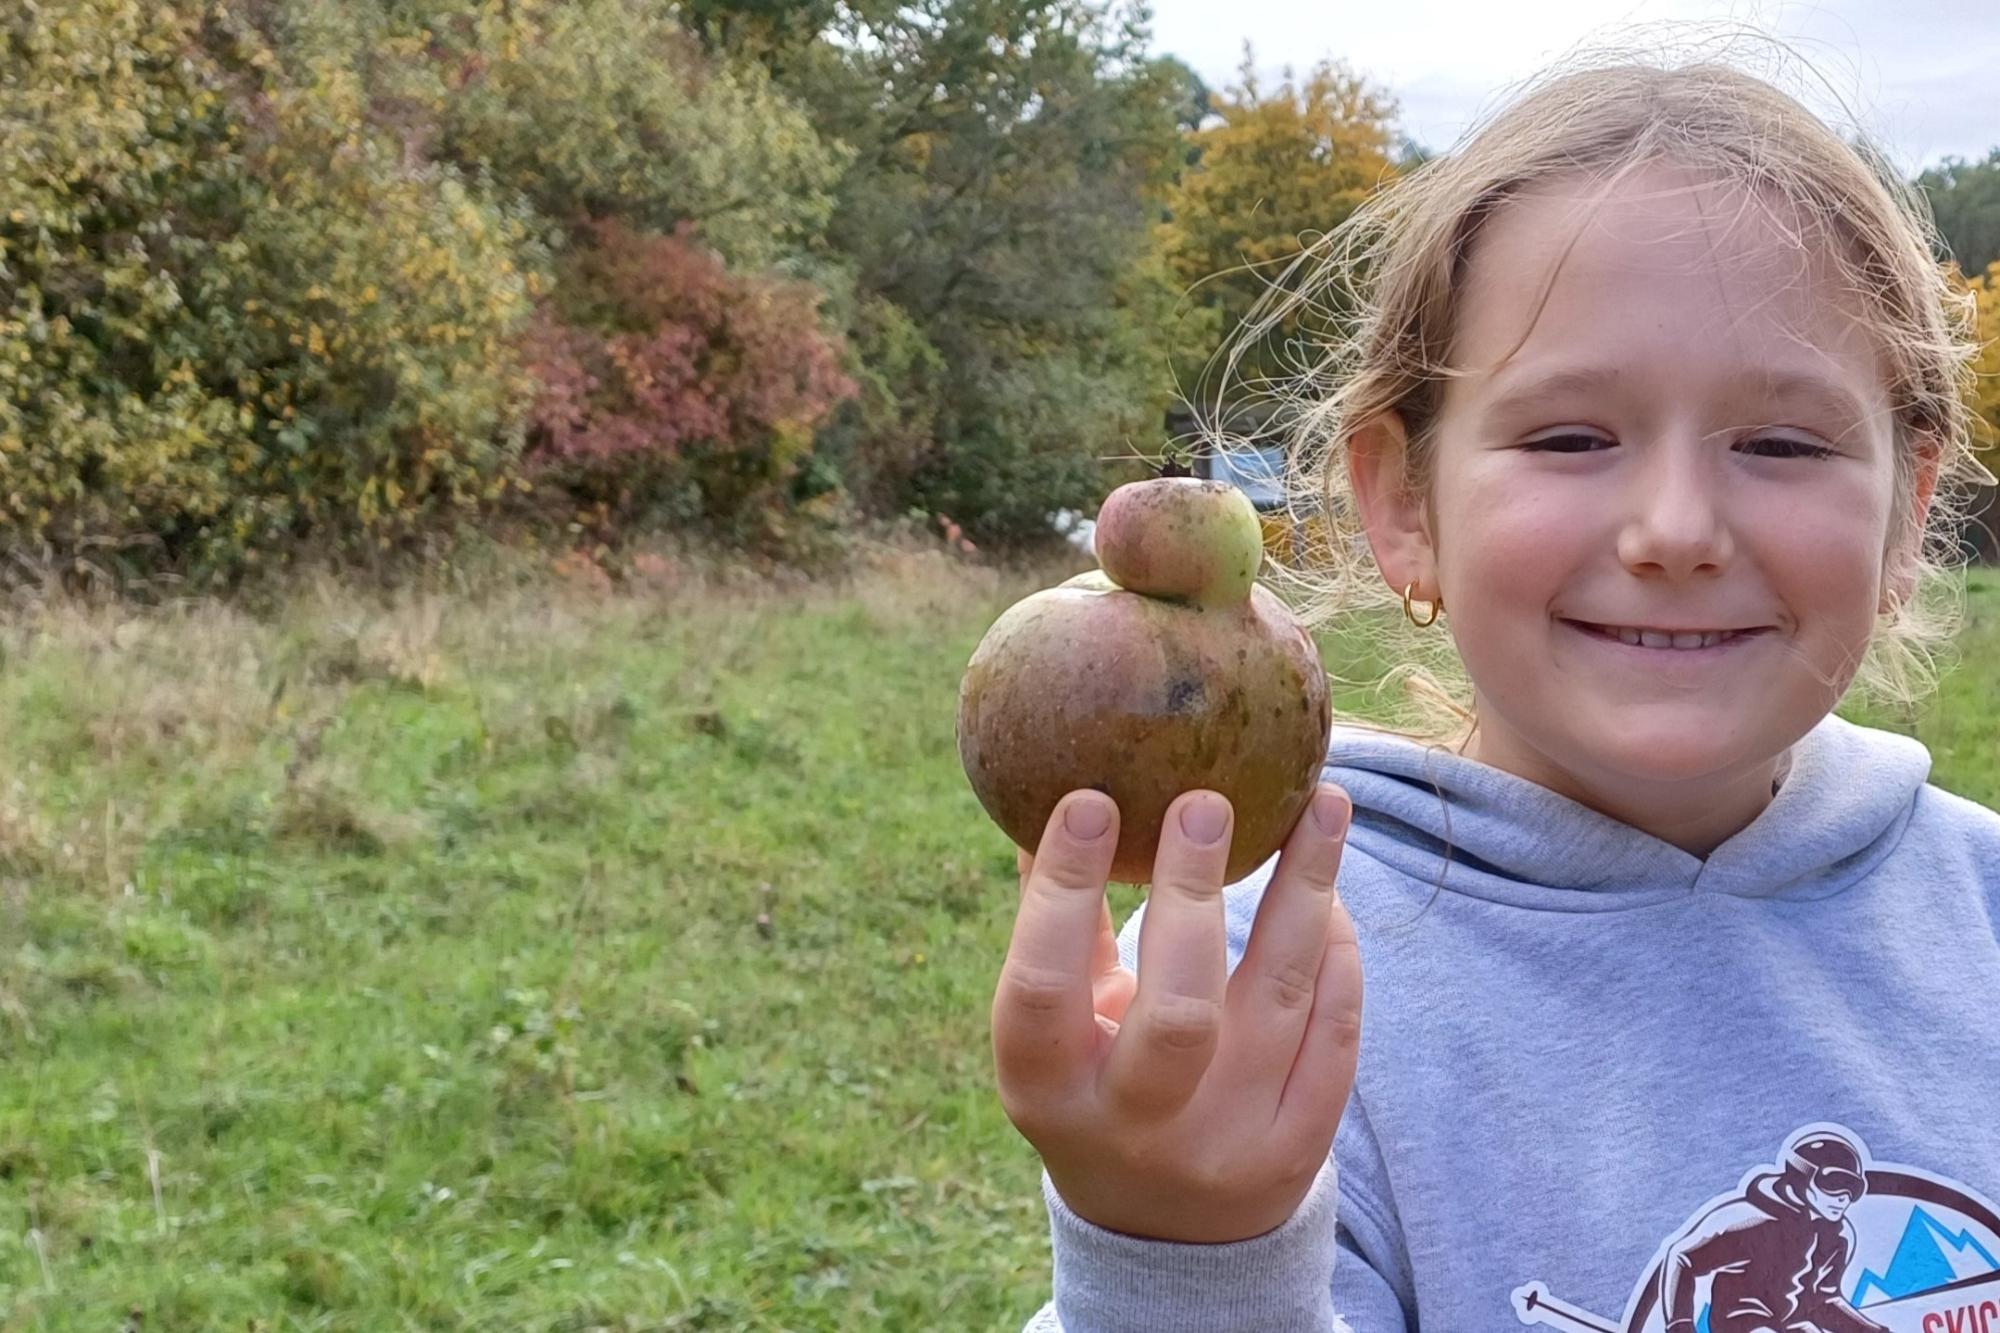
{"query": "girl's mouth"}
pixel 1683 641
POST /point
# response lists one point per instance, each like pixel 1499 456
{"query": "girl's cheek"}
pixel 1828 543
pixel 1505 528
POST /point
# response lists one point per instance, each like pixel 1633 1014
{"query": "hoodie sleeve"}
pixel 1115 1282
pixel 1279 1282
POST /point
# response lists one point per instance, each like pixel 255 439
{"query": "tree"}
pixel 1965 200
pixel 1278 168
pixel 772 32
pixel 1194 102
pixel 1011 158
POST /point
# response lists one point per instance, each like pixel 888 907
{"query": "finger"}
pixel 1170 1030
pixel 1044 1026
pixel 1316 1093
pixel 1111 982
pixel 1271 991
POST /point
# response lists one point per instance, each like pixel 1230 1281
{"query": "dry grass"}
pixel 903 586
pixel 209 686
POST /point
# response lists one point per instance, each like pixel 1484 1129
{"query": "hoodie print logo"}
pixel 1824 1240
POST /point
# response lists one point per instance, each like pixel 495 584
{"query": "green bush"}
pixel 124 176
pixel 382 309
pixel 1052 418
pixel 235 313
pixel 874 445
pixel 594 108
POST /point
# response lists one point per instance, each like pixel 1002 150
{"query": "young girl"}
pixel 1683 992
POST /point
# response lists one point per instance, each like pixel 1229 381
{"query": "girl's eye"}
pixel 1769 446
pixel 1789 448
pixel 1558 444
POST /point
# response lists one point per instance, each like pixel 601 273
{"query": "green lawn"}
pixel 402 968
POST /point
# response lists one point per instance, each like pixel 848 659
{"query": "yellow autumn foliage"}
pixel 1281 166
pixel 232 312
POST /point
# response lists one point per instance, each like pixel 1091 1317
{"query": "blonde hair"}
pixel 1383 286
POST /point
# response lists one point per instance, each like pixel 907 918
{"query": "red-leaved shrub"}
pixel 661 371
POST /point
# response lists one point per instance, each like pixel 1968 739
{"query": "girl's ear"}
pixel 1395 520
pixel 1899 582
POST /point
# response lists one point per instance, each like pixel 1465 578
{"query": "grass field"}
pixel 545 961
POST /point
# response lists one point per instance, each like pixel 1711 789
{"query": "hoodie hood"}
pixel 1473 829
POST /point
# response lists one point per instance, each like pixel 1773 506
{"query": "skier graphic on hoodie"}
pixel 1775 1256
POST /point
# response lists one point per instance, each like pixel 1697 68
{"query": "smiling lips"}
pixel 1659 638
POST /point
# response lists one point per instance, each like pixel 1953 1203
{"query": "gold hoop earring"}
pixel 1437 606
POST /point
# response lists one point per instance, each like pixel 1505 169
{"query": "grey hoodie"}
pixel 1605 1084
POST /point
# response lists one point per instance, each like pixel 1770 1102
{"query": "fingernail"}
pixel 1085 819
pixel 1326 812
pixel 1203 819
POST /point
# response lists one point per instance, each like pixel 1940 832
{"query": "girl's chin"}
pixel 1641 753
pixel 1670 738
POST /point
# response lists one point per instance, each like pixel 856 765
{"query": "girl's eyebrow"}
pixel 1777 383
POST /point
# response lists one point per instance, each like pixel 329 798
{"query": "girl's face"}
pixel 1693 439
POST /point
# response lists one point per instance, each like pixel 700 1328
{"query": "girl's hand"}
pixel 1190 1104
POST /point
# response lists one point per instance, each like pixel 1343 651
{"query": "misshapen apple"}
pixel 1168 669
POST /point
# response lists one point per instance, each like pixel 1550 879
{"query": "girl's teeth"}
pixel 1655 639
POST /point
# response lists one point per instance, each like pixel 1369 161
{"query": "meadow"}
pixel 536 957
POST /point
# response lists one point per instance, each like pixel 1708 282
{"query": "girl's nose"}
pixel 1676 525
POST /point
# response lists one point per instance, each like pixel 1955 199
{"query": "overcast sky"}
pixel 1923 76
